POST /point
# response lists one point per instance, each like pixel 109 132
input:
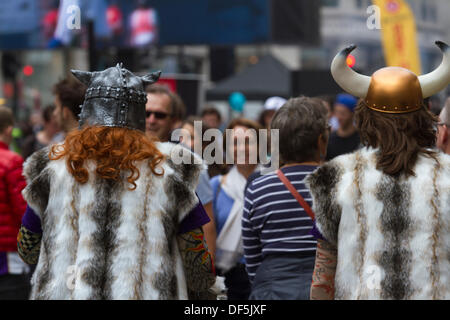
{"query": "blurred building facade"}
pixel 342 22
pixel 345 22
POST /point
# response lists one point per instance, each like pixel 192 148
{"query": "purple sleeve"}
pixel 316 233
pixel 31 221
pixel 196 218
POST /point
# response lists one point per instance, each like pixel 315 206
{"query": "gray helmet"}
pixel 115 97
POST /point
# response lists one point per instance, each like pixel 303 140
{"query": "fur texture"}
pixel 392 235
pixel 103 241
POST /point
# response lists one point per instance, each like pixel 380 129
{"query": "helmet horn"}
pixel 437 80
pixel 83 76
pixel 349 80
pixel 151 78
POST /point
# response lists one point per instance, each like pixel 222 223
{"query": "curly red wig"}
pixel 114 150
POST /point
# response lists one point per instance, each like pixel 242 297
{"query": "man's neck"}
pixel 346 132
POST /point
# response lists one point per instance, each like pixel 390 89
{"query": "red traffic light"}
pixel 351 61
pixel 28 70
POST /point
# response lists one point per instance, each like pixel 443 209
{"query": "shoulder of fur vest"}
pixel 34 165
pixel 186 164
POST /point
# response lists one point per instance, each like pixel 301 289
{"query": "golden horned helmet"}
pixel 392 89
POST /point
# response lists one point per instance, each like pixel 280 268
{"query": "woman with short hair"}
pixel 279 250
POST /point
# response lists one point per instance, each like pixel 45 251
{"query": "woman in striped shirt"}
pixel 279 249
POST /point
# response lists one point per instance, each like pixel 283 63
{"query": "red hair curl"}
pixel 114 150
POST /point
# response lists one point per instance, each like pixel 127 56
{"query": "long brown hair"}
pixel 400 138
pixel 114 150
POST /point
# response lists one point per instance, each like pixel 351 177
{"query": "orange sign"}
pixel 398 32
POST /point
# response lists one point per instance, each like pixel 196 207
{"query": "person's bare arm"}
pixel 210 230
pixel 322 287
pixel 197 262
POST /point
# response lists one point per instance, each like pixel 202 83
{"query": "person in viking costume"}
pixel 383 212
pixel 108 207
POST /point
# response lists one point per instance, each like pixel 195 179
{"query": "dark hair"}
pixel 435 105
pixel 71 94
pixel 191 120
pixel 177 106
pixel 300 123
pixel 47 113
pixel 211 110
pixel 262 115
pixel 6 118
pixel 400 138
pixel 329 99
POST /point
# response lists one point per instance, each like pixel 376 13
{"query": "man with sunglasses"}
pixel 164 112
pixel 443 129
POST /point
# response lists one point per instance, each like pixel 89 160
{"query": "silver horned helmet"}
pixel 115 97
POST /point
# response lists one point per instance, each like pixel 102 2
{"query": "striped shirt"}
pixel 273 221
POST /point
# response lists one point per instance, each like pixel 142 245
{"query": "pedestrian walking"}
pixel 279 249
pixel 110 203
pixel 228 205
pixel 14 281
pixel 383 212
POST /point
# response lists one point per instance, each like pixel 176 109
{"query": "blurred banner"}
pixel 399 35
pixel 62 33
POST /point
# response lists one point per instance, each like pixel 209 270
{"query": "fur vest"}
pixel 104 241
pixel 392 235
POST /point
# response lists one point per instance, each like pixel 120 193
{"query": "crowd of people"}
pixel 359 208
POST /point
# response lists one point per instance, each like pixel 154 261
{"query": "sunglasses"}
pixel 158 115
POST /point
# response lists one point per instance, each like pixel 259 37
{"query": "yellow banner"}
pixel 398 33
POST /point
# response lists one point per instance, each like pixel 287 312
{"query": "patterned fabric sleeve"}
pixel 197 261
pixel 322 287
pixel 29 237
pixel 28 245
